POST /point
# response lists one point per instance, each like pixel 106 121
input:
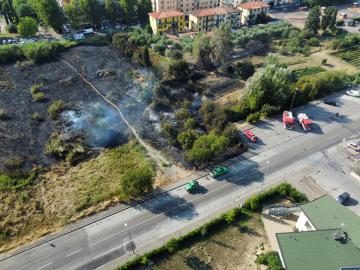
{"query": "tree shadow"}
pixel 172 206
pixel 197 263
pixel 316 129
pixel 351 202
pixel 263 124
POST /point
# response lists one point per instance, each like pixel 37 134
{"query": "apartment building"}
pixel 167 21
pixel 251 10
pixel 185 6
pixel 207 19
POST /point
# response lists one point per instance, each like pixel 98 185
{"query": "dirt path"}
pixel 334 63
pixel 171 171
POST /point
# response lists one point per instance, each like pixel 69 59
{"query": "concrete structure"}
pixel 185 6
pixel 207 19
pixel 167 21
pixel 328 238
pixel 251 10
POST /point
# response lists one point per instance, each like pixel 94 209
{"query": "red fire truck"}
pixel 288 120
pixel 304 121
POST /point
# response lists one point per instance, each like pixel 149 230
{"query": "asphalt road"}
pixel 280 155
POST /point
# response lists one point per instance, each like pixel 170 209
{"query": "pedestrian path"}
pixel 351 98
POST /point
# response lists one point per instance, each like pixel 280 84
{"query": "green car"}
pixel 219 170
pixel 192 185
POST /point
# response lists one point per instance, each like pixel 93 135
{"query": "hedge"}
pixel 175 244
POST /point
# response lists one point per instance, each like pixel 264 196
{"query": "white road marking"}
pixel 73 253
pixel 42 267
pixel 351 98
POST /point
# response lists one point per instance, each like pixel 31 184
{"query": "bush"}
pixel 27 27
pixel 10 53
pixel 271 259
pixel 179 70
pixel 37 117
pixel 13 184
pixel 136 182
pixel 170 132
pixel 190 123
pixel 57 107
pixel 244 70
pixel 269 110
pixel 11 28
pixel 3 115
pixel 313 42
pixel 323 61
pixel 253 117
pixel 36 94
pixel 187 138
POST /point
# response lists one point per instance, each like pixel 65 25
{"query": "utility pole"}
pixel 132 247
pixel 292 102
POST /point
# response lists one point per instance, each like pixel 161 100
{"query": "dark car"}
pixel 343 197
pixel 330 102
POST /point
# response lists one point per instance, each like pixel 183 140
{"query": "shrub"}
pixel 244 70
pixel 170 132
pixel 179 70
pixel 323 61
pixel 11 28
pixel 27 26
pixel 10 53
pixel 190 123
pixel 253 117
pixel 269 110
pixel 57 107
pixel 138 181
pixel 13 184
pixel 187 138
pixel 313 42
pixel 37 117
pixel 271 259
pixel 3 114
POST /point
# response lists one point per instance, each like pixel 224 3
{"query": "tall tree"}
pixel 312 23
pixel 332 23
pixel 8 10
pixel 221 44
pixel 143 8
pixel 111 11
pixel 201 50
pixel 49 12
pixel 73 13
pixel 91 9
pixel 128 7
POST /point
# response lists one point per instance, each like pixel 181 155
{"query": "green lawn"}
pixel 352 56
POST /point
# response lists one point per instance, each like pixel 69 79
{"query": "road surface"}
pixel 280 155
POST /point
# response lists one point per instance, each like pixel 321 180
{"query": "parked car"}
pixel 354 146
pixel 343 197
pixel 331 102
pixel 191 186
pixel 218 171
pixel 250 136
pixel 353 93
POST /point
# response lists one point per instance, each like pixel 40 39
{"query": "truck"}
pixel 288 120
pixel 250 136
pixel 304 121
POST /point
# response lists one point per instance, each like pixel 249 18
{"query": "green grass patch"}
pixel 351 56
pixel 298 73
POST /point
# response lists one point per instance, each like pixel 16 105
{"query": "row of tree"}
pixel 317 20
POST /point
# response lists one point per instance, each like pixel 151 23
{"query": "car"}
pixel 343 197
pixel 331 102
pixel 191 186
pixel 250 136
pixel 354 147
pixel 353 93
pixel 218 171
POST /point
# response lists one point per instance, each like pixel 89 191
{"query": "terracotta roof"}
pixel 253 5
pixel 214 11
pixel 165 14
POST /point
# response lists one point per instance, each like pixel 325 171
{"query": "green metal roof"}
pixel 326 213
pixel 316 250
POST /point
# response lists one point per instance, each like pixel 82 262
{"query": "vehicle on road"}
pixel 343 197
pixel 304 121
pixel 191 186
pixel 288 120
pixel 250 136
pixel 353 93
pixel 354 146
pixel 218 171
pixel 331 102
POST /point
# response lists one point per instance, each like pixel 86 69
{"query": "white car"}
pixel 354 147
pixel 353 93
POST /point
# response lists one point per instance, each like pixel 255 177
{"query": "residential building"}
pixel 251 10
pixel 185 6
pixel 328 238
pixel 172 21
pixel 207 19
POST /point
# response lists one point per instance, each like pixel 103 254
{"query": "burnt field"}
pixel 26 126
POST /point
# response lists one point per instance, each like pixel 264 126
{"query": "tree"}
pixel 27 27
pixel 221 44
pixel 187 138
pixel 332 22
pixel 201 50
pixel 312 23
pixel 111 11
pixel 146 57
pixel 214 116
pixel 138 181
pixel 128 6
pixel 170 132
pixel 73 13
pixel 143 8
pixel 244 70
pixel 91 9
pixel 7 8
pixel 179 70
pixel 23 9
pixel 49 12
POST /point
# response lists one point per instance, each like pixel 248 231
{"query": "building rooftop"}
pixel 326 213
pixel 214 11
pixel 317 250
pixel 165 14
pixel 253 5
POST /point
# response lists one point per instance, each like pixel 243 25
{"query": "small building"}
pixel 207 19
pixel 171 21
pixel 328 238
pixel 251 10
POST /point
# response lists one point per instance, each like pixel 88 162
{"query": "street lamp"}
pixel 132 247
pixel 292 102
